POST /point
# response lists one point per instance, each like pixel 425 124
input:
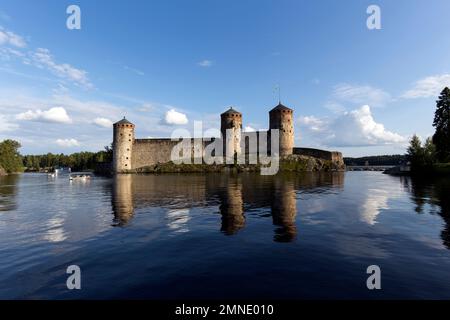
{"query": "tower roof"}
pixel 280 107
pixel 230 111
pixel 123 121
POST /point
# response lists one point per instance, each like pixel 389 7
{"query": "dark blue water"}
pixel 224 236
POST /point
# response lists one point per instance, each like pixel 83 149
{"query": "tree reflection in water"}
pixel 8 191
pixel 433 191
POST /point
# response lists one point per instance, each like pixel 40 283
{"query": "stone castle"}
pixel 131 153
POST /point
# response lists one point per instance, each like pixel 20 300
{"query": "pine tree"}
pixel 441 138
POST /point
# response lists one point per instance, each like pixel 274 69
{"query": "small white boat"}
pixel 51 175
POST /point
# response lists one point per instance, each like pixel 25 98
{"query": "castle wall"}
pixel 333 156
pixel 147 152
pixel 151 151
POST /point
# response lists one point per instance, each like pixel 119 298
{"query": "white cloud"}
pixel 89 108
pixel 67 143
pixel 81 112
pixel 355 128
pixel 6 125
pixel 205 63
pixel 10 38
pixel 173 117
pixel 56 115
pixel 428 87
pixel 249 129
pixel 312 123
pixel 42 58
pixel 361 94
pixel 103 122
pixel 8 54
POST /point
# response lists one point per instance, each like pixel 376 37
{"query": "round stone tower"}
pixel 281 118
pixel 231 120
pixel 122 145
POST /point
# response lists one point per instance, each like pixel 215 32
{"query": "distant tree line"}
pixel 77 161
pixel 11 161
pixel 384 160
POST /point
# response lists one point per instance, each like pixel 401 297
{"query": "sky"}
pixel 166 64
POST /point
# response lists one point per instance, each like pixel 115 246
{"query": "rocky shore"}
pixel 291 163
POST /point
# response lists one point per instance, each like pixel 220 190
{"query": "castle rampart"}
pixel 334 156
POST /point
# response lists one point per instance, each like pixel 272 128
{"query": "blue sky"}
pixel 166 64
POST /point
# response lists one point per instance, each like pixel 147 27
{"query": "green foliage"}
pixel 79 161
pixel 441 122
pixel 10 159
pixel 429 152
pixel 421 157
pixel 294 165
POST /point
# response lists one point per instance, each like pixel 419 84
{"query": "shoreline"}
pixel 293 163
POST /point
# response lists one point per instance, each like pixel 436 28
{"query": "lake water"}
pixel 225 236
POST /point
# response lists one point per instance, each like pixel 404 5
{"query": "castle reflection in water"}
pixel 234 195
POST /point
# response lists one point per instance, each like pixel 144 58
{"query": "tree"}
pixel 10 159
pixel 429 153
pixel 415 152
pixel 421 157
pixel 441 138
